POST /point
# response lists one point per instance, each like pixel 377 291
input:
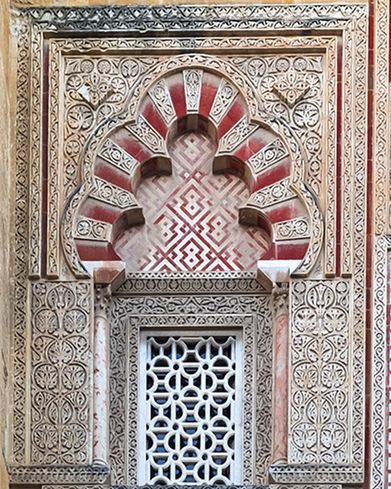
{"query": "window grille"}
pixel 190 409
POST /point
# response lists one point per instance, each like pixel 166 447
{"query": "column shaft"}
pixel 280 375
pixel 101 378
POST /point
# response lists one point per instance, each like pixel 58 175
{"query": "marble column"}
pixel 280 301
pixel 101 377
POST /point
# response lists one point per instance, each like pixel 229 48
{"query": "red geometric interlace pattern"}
pixel 191 217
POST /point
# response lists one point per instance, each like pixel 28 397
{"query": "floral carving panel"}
pixel 292 87
pixel 61 373
pixel 95 89
pixel 321 362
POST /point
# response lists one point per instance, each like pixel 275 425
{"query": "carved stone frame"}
pixel 246 323
pixel 379 368
pixel 350 22
pixel 247 307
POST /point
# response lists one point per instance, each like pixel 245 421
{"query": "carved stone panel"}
pixel 61 373
pixel 293 92
pixel 321 360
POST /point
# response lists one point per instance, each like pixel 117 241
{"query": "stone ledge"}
pixel 59 474
pixel 319 474
pixel 149 283
pixel 272 486
pixel 83 485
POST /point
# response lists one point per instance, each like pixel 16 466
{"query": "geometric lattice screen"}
pixel 190 408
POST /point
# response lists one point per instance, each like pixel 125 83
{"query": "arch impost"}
pixel 274 275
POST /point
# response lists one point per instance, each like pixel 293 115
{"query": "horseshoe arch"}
pixel 193 91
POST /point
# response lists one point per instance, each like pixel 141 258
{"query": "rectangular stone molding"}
pixel 321 360
pixel 380 367
pixel 61 368
pixel 60 475
pixel 75 487
pixel 301 486
pixel 250 313
pixel 273 486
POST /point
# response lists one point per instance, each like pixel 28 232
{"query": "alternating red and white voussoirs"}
pixel 192 99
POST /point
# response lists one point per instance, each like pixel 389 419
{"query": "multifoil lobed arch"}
pixel 187 92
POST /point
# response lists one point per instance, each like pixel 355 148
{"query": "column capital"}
pixel 102 300
pixel 280 299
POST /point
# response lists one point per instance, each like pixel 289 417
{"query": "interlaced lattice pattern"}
pixel 190 409
pixel 191 217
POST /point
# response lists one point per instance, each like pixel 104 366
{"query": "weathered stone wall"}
pixel 5 221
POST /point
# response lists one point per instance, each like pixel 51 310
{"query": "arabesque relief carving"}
pixel 321 355
pixel 61 373
pixel 111 109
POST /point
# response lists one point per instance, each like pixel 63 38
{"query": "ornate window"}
pixel 190 407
